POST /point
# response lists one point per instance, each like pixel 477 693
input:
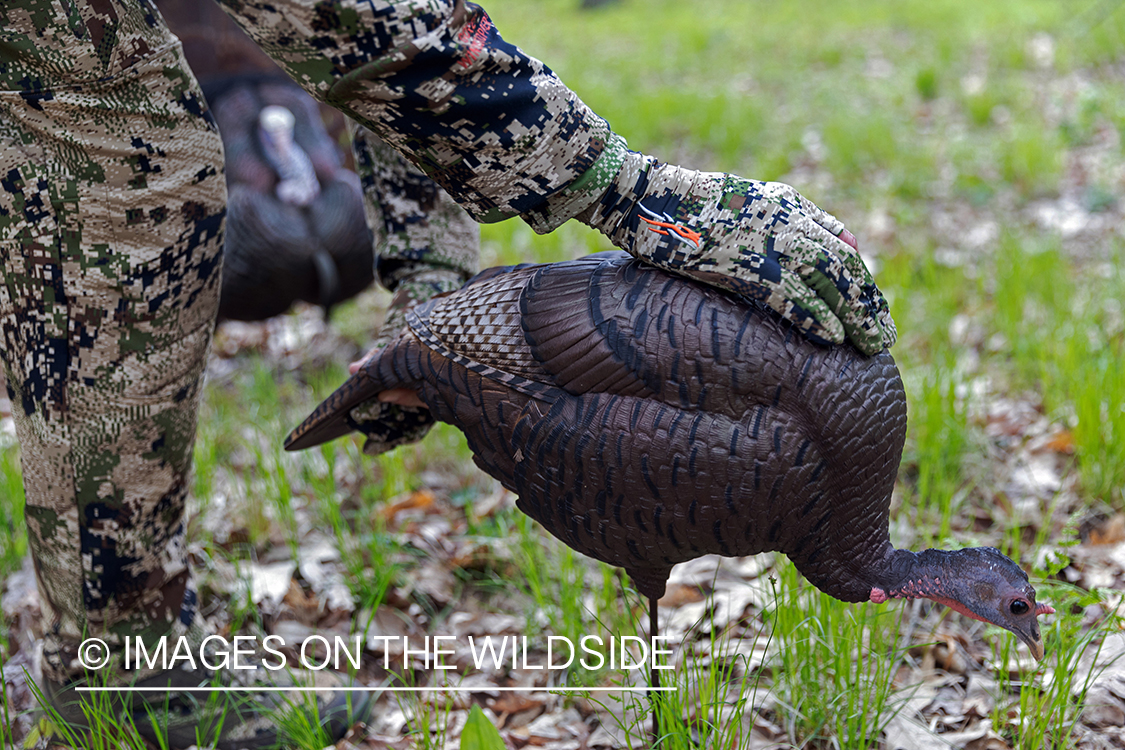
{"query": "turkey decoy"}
pixel 645 420
pixel 296 228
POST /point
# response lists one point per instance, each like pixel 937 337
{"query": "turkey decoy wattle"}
pixel 645 420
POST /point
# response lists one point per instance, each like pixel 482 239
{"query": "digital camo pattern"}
pixel 498 130
pixel 493 126
pixel 111 215
pixel 425 244
pixel 419 230
pixel 763 240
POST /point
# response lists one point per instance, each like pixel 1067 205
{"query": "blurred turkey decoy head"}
pixel 296 228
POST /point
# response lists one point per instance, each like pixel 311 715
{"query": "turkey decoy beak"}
pixel 1034 642
pixel 1033 636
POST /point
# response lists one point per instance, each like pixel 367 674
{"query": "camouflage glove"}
pixel 425 245
pixel 390 425
pixel 762 240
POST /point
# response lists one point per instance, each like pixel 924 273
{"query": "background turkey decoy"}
pixel 645 420
pixel 295 226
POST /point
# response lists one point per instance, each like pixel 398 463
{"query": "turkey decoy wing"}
pixel 525 327
pixel 625 409
pixel 398 365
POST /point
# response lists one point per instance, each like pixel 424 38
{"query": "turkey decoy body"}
pixel 645 420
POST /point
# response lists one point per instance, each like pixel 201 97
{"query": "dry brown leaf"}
pixel 324 576
pixel 950 657
pixel 385 629
pixel 234 336
pixel 545 729
pixel 388 720
pixel 434 581
pixel 980 737
pixel 1112 738
pixel 303 606
pixel 1010 417
pixel 478 624
pixel 1103 709
pixel 607 737
pixel 1035 475
pixel 905 734
pixel 480 554
pixel 678 595
pixel 1061 442
pixel 512 703
pixel 979 697
pixel 1110 531
pixel 487 506
pixel 269 582
pixel 419 499
pixel 293 632
pixel 432 534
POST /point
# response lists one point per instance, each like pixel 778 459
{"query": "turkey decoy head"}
pixel 297 184
pixel 979 582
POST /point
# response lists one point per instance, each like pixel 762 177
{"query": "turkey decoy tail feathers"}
pixel 331 419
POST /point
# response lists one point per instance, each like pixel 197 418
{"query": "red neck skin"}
pixel 923 588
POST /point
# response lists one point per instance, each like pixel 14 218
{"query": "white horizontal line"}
pixel 469 689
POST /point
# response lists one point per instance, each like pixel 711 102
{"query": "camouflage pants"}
pixel 111 215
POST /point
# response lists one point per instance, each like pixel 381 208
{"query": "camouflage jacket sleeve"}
pixel 493 126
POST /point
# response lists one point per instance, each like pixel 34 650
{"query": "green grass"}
pixel 834 664
pixel 569 599
pixel 13 535
pixel 938 443
pixel 7 711
pixel 1064 337
pixel 715 696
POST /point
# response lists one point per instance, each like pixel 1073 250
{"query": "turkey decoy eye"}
pixel 1019 607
